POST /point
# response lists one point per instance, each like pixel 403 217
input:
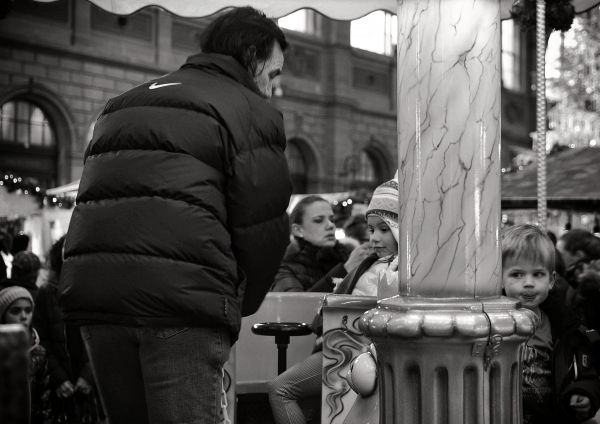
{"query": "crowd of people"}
pixel 61 379
pixel 557 279
pixel 181 229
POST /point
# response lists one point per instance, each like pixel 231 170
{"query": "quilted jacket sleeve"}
pixel 258 193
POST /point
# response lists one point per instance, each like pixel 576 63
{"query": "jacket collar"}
pixel 223 64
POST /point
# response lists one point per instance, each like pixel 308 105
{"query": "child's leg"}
pixel 301 381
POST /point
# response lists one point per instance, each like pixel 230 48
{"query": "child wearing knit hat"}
pixel 16 307
pixel 304 380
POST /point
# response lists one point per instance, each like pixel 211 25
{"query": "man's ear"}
pixel 552 279
pixel 297 231
pixel 250 59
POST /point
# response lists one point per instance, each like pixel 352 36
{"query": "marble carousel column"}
pixel 448 344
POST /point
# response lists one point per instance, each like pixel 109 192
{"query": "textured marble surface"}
pixel 449 148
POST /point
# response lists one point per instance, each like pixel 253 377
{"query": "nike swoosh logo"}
pixel 155 85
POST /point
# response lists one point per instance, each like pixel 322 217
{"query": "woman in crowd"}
pixel 315 257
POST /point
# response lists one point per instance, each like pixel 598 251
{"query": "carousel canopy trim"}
pixel 335 9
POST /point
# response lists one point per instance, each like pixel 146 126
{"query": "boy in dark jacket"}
pixel 560 384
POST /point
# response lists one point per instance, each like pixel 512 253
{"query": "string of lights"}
pixel 22 186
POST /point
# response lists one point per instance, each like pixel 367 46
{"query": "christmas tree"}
pixel 573 90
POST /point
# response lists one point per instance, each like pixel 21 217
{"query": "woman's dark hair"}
pixel 55 255
pixel 578 239
pixel 244 33
pixel 297 214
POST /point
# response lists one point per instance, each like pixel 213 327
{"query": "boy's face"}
pixel 527 282
pixel 381 237
pixel 19 312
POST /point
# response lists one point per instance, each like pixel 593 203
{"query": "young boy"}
pixel 560 384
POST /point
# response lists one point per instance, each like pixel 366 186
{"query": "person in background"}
pixel 73 398
pixel 25 270
pixel 577 246
pixel 304 380
pixel 356 231
pixel 315 258
pixel 180 224
pixel 5 256
pixel 560 383
pixel 20 243
pixel 580 250
pixel 16 307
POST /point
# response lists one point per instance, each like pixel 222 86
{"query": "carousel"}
pixel 447 342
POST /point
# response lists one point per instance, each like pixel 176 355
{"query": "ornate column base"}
pixel 449 361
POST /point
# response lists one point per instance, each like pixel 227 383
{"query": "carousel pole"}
pixel 448 344
pixel 540 100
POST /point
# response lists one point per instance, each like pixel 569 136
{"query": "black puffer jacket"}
pixel 181 205
pixel 306 267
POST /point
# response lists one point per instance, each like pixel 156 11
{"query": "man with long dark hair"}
pixel 180 224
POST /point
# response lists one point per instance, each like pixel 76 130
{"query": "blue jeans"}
pixel 158 375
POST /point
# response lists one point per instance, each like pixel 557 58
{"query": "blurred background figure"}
pixel 355 229
pixel 5 256
pixel 577 246
pixel 20 243
pixel 25 269
pixel 580 251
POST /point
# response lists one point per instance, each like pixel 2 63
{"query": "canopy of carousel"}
pixel 335 9
pixel 572 182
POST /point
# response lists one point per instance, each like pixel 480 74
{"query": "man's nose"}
pixel 330 223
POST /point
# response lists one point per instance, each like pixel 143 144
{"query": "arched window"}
pixel 25 123
pixel 297 166
pixel 366 174
pixel 28 141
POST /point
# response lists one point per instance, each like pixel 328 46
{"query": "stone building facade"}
pixel 61 61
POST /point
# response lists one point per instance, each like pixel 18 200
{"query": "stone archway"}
pixel 58 160
pixel 305 166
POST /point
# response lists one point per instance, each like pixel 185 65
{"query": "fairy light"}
pixel 21 186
